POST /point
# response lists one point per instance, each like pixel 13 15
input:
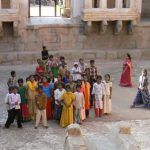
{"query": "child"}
pixel 79 104
pixel 67 76
pixel 15 111
pixel 55 69
pixel 47 89
pixel 93 77
pixel 58 107
pixel 86 88
pixel 31 92
pixel 108 94
pixel 50 63
pixel 13 80
pixel 7 100
pixel 62 61
pixel 67 111
pixel 44 53
pixel 98 92
pixel 76 72
pixel 40 69
pixel 62 70
pixel 40 102
pixel 82 65
pixel 24 107
pixel 72 84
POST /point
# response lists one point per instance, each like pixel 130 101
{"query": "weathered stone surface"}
pixel 74 138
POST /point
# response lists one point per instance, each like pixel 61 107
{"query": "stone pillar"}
pixel 103 4
pixel 76 6
pixel 88 4
pixel 0 4
pixel 1 29
pixel 15 28
pixel 119 4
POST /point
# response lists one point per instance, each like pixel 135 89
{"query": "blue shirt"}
pixel 47 89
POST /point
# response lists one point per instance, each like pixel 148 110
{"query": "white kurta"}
pixel 107 99
pixel 76 76
pixel 58 94
pixel 98 91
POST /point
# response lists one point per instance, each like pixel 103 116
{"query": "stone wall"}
pixel 146 8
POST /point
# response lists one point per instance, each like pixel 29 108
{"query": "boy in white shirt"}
pixel 58 107
pixel 79 104
pixel 14 106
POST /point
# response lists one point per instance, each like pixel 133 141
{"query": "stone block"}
pixel 73 130
pixel 74 139
pixel 125 130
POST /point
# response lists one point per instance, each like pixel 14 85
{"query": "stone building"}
pixel 89 28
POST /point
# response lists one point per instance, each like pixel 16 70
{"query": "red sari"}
pixel 126 74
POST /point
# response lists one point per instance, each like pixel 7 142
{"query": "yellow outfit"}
pixel 67 111
pixel 31 92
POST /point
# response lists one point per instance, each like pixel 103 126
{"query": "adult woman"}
pixel 142 96
pixel 47 89
pixel 125 80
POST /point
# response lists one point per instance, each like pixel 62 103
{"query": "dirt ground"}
pixel 53 138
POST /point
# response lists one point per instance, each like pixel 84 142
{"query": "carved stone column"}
pixel 67 9
pixel 88 4
pixel 103 4
pixel 119 4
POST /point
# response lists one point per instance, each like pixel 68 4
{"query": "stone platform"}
pixel 31 57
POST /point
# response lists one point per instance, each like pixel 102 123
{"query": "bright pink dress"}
pixel 126 74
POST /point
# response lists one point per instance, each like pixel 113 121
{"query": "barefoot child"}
pixel 79 104
pixel 108 94
pixel 98 93
pixel 41 102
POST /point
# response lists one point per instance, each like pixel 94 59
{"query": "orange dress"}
pixel 86 91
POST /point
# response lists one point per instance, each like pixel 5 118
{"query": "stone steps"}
pixel 31 57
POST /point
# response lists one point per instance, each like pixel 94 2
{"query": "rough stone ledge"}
pixel 31 57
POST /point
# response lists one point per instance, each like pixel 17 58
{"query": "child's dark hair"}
pixel 78 86
pixel 20 80
pixel 10 88
pixel 129 56
pixel 44 47
pixel 99 77
pixel 67 86
pixel 51 56
pixel 92 61
pixel 62 57
pixel 107 75
pixel 12 73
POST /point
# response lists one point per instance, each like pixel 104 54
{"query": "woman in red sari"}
pixel 125 80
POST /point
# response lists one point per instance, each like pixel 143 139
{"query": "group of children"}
pixel 54 92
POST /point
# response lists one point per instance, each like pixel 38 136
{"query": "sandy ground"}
pixel 54 137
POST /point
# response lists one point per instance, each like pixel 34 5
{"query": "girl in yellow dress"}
pixel 31 92
pixel 67 111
